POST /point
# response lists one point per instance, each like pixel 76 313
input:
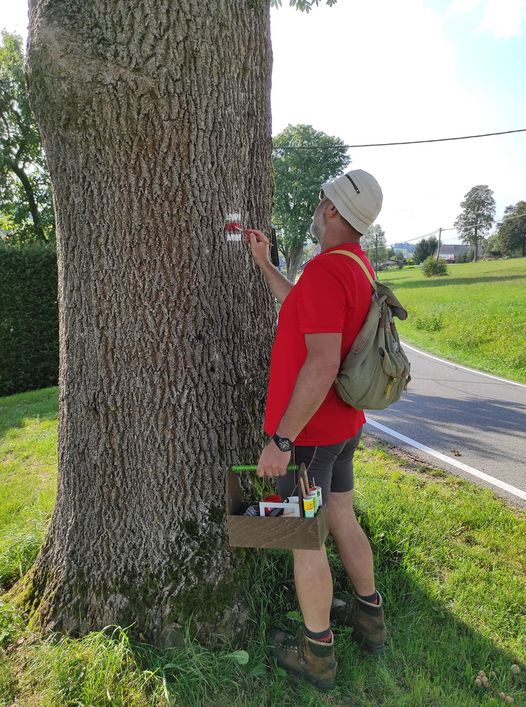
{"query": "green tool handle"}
pixel 253 467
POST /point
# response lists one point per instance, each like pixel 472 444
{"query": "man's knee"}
pixel 341 511
pixel 310 556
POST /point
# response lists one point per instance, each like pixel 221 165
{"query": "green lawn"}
pixel 451 562
pixel 475 315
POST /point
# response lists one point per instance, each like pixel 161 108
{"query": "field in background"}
pixel 451 565
pixel 474 316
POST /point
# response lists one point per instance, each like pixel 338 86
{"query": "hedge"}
pixel 28 318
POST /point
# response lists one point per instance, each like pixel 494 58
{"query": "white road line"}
pixel 449 460
pixel 464 368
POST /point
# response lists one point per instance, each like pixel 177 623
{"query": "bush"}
pixel 431 267
pixel 431 322
pixel 466 257
pixel 28 318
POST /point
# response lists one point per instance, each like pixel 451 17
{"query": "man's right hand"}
pixel 259 244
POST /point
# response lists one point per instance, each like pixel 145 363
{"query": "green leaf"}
pixel 241 657
pixel 295 616
pixel 170 666
pixel 259 670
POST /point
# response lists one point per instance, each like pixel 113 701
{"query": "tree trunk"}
pixel 156 124
pixel 31 201
pixel 294 261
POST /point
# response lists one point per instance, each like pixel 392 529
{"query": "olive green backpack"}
pixel 375 372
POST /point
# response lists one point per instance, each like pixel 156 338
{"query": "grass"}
pixel 28 459
pixel 451 564
pixel 475 315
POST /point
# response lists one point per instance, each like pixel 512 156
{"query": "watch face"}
pixel 284 444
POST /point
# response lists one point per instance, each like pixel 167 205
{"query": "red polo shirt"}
pixel 333 295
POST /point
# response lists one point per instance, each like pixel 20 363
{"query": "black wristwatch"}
pixel 283 443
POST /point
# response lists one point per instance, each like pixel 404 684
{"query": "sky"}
pixel 385 71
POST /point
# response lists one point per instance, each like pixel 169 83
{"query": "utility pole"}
pixel 439 241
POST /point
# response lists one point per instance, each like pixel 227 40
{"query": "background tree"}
pixel 303 5
pixel 425 248
pixel 26 210
pixel 511 233
pixel 298 175
pixel 476 217
pixel 374 244
pixel 400 259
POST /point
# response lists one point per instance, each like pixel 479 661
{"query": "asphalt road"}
pixel 471 424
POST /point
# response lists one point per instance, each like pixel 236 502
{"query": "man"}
pixel 319 319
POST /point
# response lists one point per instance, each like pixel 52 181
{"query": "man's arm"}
pixel 259 243
pixel 313 382
pixel 312 385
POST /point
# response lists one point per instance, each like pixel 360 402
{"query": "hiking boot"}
pixel 310 660
pixel 366 621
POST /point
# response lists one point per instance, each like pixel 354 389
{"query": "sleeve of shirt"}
pixel 322 302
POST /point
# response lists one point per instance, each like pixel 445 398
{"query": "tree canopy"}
pixel 511 233
pixel 26 211
pixel 476 217
pixel 425 248
pixel 302 5
pixel 298 176
pixel 374 244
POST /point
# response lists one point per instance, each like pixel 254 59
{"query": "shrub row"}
pixel 28 318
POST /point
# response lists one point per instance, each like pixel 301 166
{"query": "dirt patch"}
pixel 408 461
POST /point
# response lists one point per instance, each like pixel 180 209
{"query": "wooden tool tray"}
pixel 283 532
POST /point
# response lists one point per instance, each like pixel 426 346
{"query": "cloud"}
pixel 501 18
pixel 504 19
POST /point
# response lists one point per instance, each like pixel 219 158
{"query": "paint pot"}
pixel 314 496
pixel 275 498
pixel 308 506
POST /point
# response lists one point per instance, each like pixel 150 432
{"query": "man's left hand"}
pixel 273 462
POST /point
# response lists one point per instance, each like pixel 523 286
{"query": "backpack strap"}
pixel 360 263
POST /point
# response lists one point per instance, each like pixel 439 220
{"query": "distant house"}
pixel 386 263
pixel 454 252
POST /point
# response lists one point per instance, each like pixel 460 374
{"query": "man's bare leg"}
pixel 313 579
pixel 353 545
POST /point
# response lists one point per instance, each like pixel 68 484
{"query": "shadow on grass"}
pixel 432 658
pixel 447 280
pixel 16 409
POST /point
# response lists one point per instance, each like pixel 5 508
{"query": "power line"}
pixel 452 228
pixel 407 142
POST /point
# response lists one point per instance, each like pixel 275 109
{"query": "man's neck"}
pixel 333 241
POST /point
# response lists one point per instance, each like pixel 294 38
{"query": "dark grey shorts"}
pixel 330 466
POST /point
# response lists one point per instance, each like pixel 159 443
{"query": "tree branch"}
pixel 28 189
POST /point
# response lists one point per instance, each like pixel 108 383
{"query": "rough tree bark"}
pixel 156 122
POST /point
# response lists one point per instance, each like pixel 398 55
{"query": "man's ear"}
pixel 331 211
